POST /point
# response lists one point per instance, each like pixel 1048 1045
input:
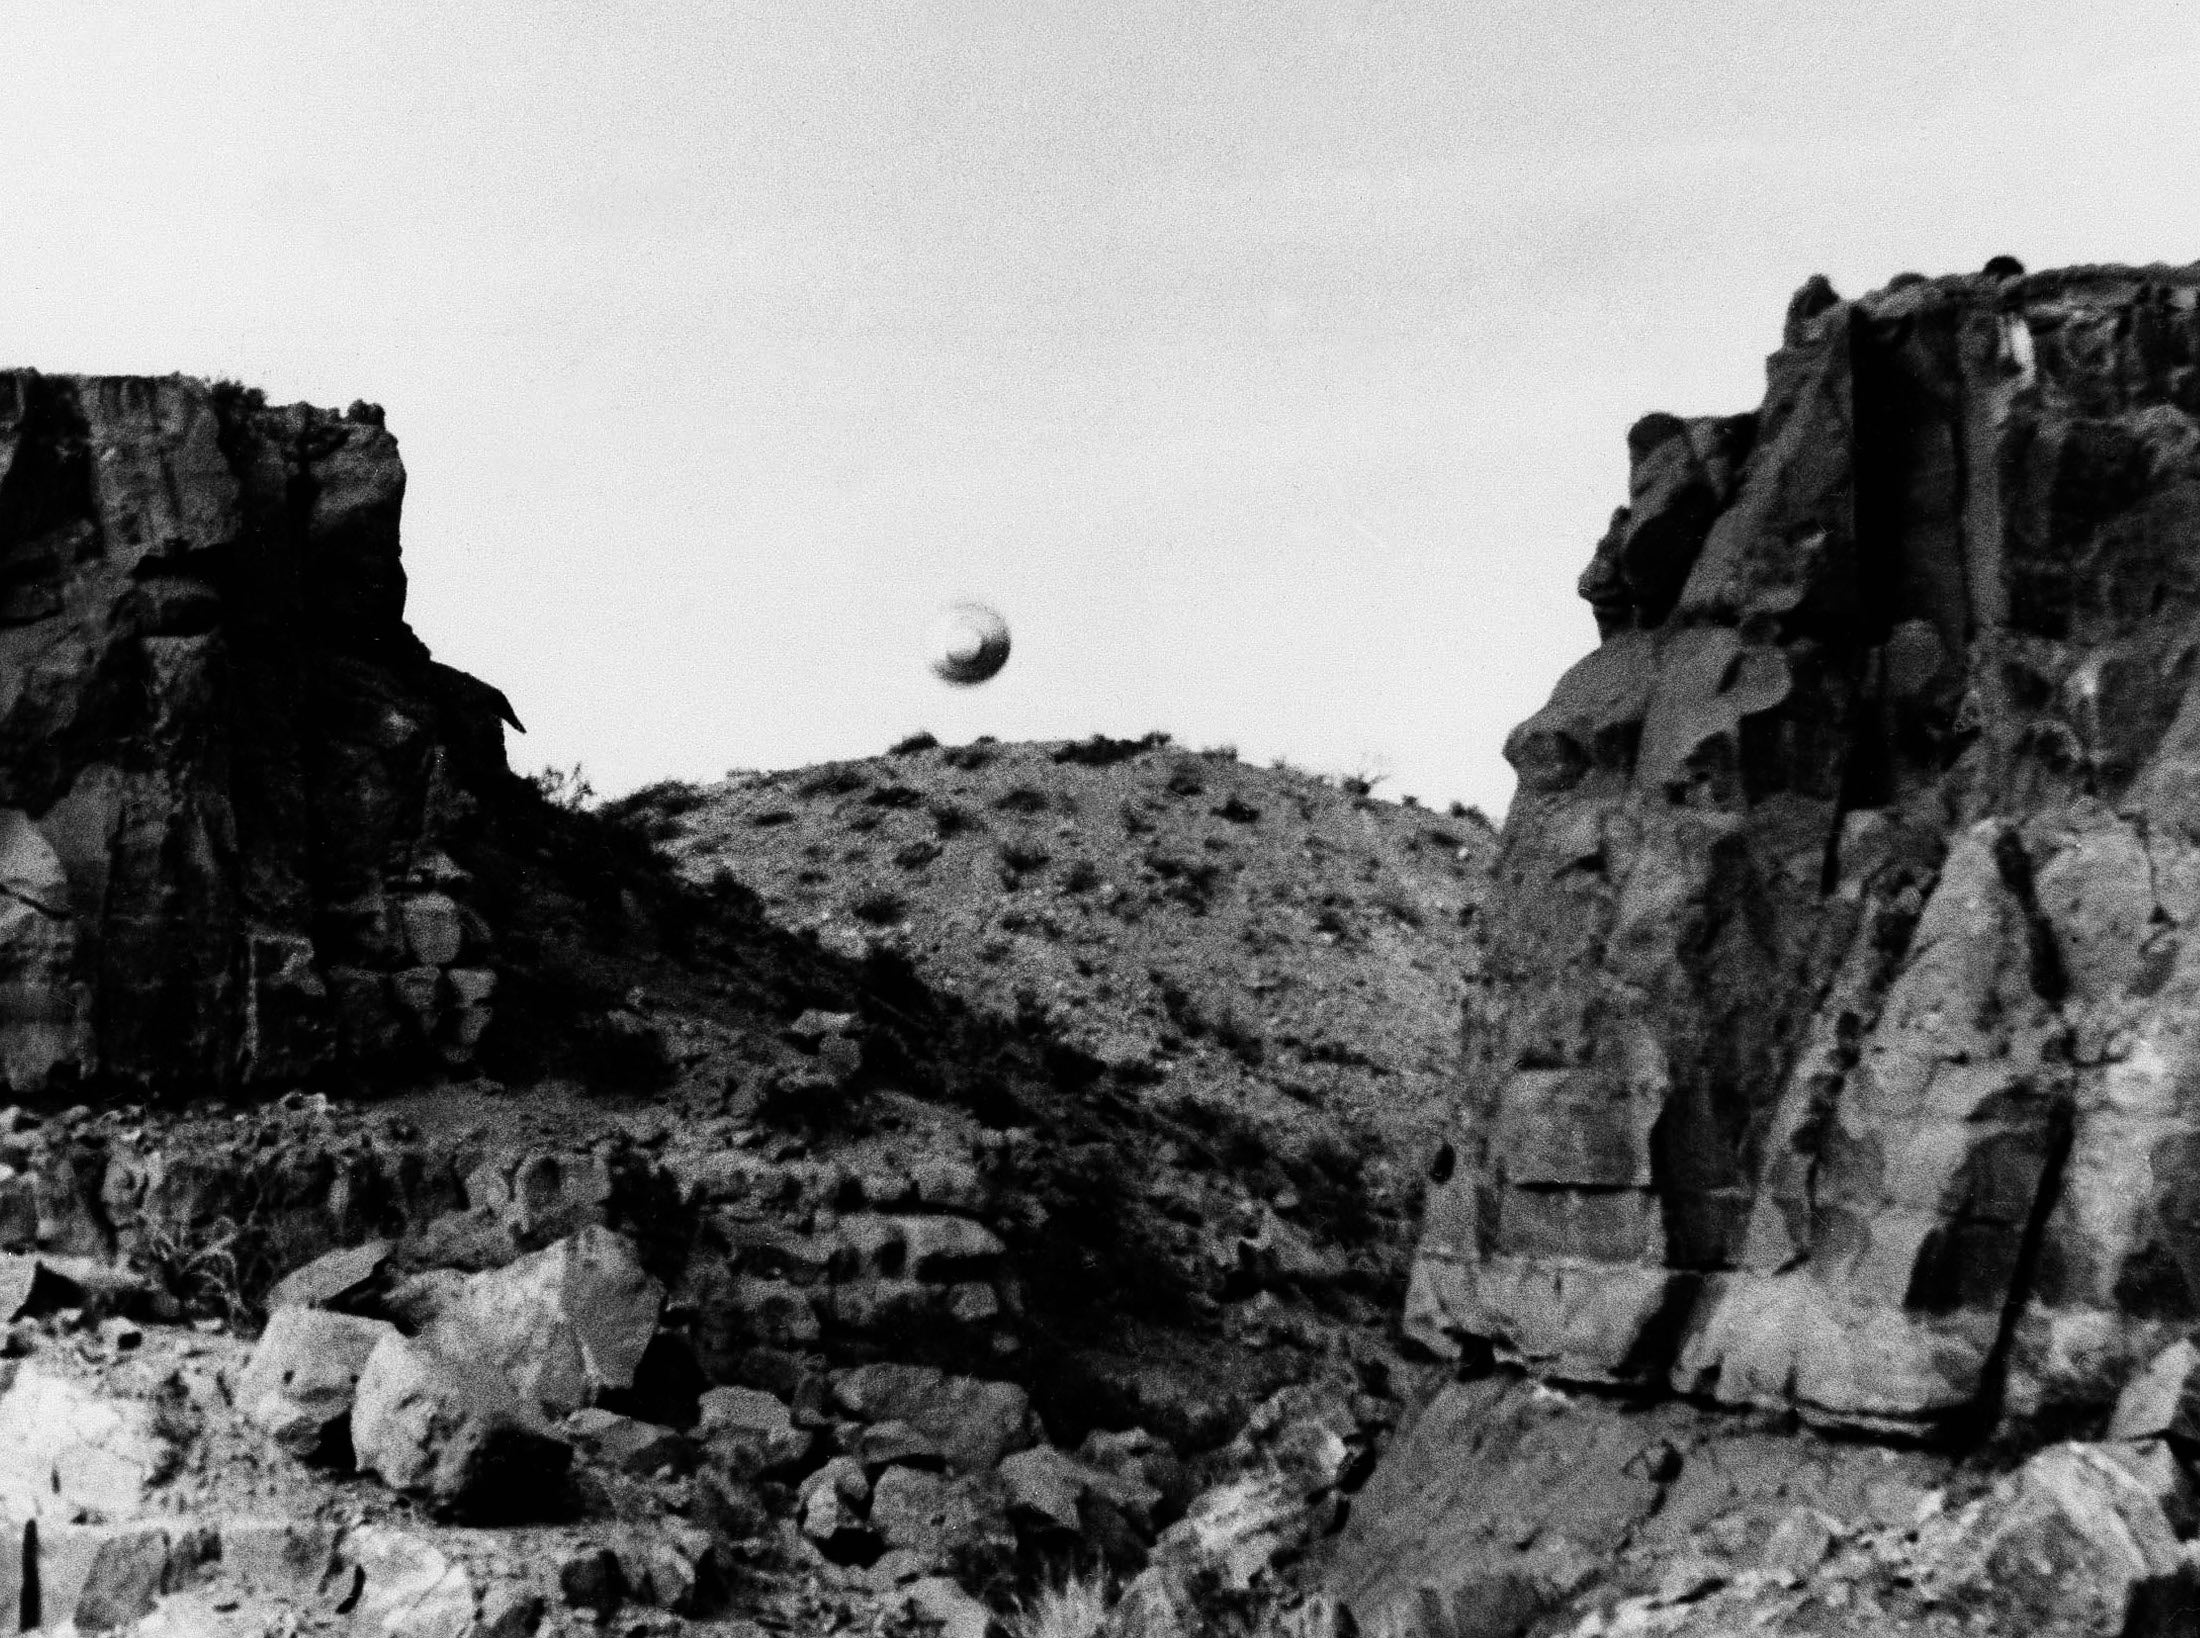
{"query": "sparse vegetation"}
pixel 564 788
pixel 833 780
pixel 918 741
pixel 1022 799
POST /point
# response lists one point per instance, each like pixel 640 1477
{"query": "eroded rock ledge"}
pixel 1837 1043
pixel 229 773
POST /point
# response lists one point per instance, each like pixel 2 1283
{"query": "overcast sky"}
pixel 1267 364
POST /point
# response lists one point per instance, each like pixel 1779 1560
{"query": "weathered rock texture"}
pixel 1837 1047
pixel 229 772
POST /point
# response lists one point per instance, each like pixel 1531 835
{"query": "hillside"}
pixel 1255 942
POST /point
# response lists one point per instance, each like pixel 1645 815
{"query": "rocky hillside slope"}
pixel 1270 957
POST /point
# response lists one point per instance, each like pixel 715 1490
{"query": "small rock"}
pixel 936 1599
pixel 815 1025
pixel 589 1579
pixel 627 1444
pixel 886 1444
pixel 509 1609
pixel 288 1556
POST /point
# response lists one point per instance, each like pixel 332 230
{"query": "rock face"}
pixel 1835 1047
pixel 229 772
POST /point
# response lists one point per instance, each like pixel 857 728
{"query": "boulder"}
pixel 753 1432
pixel 336 1279
pixel 2072 1541
pixel 943 1519
pixel 627 1444
pixel 291 1557
pixel 835 1503
pixel 454 1432
pixel 974 1422
pixel 407 1589
pixel 2162 1401
pixel 299 1385
pixel 67 1452
pixel 99 1576
pixel 564 1324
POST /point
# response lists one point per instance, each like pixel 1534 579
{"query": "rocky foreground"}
pixel 970 1187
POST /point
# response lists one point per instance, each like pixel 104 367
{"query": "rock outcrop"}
pixel 230 775
pixel 1836 1048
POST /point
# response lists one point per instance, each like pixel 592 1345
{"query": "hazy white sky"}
pixel 1266 363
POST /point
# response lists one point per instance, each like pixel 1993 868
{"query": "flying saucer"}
pixel 969 644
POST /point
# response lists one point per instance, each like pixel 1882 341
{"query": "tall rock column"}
pixel 1832 1050
pixel 230 775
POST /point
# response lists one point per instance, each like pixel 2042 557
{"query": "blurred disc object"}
pixel 969 644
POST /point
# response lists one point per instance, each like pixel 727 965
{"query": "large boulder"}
pixel 565 1324
pixel 230 775
pixel 455 1432
pixel 1834 1046
pixel 973 1422
pixel 303 1375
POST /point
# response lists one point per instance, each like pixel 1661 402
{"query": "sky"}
pixel 1267 364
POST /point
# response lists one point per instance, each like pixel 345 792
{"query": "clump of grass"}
pixel 1075 1607
pixel 918 741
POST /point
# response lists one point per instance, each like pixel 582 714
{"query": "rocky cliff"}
pixel 231 778
pixel 1836 1045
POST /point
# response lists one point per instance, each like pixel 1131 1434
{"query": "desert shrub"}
pixel 1135 821
pixel 1399 906
pixel 771 817
pixel 1238 1038
pixel 1220 753
pixel 833 781
pixel 949 819
pixel 1022 799
pixel 1020 859
pixel 1191 882
pixel 1237 812
pixel 893 796
pixel 881 907
pixel 1082 876
pixel 567 789
pixel 1074 1607
pixel 970 758
pixel 1184 782
pixel 1102 752
pixel 916 855
pixel 918 741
